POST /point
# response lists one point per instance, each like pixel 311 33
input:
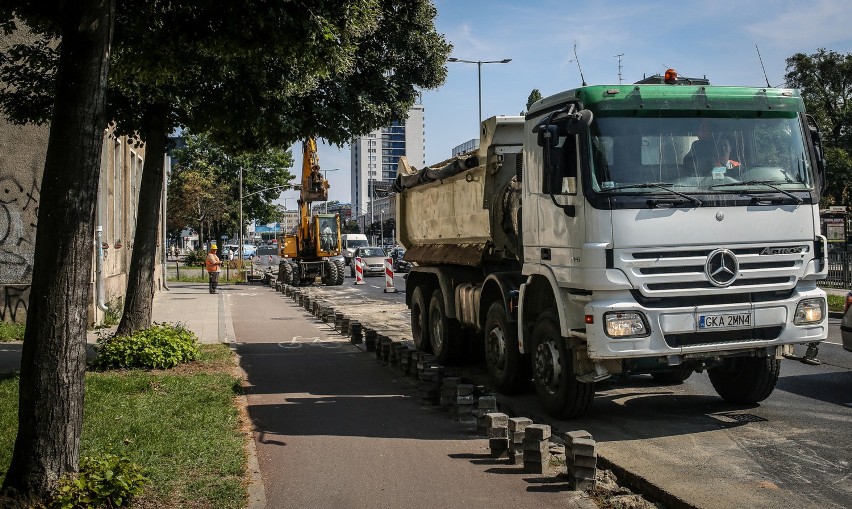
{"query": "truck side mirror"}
pixel 548 136
pixel 816 140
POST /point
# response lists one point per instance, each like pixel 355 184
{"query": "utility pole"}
pixel 619 67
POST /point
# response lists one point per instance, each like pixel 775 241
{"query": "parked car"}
pixel 373 258
pixel 229 251
pixel 399 262
pixel 249 251
pixel 846 324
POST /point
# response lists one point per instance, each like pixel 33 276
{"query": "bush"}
pixel 11 331
pixel 103 481
pixel 195 258
pixel 161 346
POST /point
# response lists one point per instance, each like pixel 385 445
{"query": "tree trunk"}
pixel 139 300
pixel 53 361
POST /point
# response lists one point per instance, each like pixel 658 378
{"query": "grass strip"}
pixel 11 331
pixel 181 425
pixel 836 302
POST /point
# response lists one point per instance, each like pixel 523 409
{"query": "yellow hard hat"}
pixel 213 246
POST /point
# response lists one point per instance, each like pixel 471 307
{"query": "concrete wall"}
pixel 22 154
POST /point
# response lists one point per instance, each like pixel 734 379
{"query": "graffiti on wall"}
pixel 18 217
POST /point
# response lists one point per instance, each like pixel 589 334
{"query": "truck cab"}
pixel 678 231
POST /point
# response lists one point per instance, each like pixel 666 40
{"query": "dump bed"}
pixel 450 220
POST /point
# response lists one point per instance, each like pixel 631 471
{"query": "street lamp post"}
pixel 479 77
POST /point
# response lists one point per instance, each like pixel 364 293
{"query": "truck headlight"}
pixel 625 324
pixel 809 311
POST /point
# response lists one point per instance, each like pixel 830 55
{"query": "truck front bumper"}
pixel 679 331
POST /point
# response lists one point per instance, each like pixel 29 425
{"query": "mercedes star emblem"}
pixel 722 267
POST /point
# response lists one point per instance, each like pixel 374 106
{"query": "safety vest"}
pixel 212 263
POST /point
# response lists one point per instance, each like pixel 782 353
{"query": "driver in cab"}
pixel 715 158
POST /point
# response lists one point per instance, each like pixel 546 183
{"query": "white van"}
pixel 350 242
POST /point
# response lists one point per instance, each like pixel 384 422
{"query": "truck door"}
pixel 559 210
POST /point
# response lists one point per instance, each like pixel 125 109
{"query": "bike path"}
pixel 335 428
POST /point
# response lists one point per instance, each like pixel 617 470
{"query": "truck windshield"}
pixel 739 153
pixel 355 243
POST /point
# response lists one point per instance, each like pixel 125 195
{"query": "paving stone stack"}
pixel 536 448
pixel 486 404
pixel 386 344
pixel 344 325
pixel 497 426
pixel 415 359
pixel 405 361
pixel 581 459
pixel 465 404
pixel 423 362
pixel 306 302
pixel 517 433
pixel 338 318
pixel 396 354
pixel 448 392
pixel 355 332
pixel 370 339
pixel 429 388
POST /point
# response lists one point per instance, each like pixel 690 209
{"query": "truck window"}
pixel 694 154
pixel 563 177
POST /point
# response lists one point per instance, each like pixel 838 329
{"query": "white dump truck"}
pixel 663 229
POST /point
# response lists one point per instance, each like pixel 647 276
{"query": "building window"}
pixel 117 192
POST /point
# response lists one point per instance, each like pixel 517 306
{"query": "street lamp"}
pixel 479 77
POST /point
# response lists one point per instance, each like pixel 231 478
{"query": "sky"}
pixel 716 39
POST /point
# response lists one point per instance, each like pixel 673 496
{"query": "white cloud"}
pixel 804 26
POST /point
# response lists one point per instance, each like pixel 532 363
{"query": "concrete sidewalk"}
pixel 192 305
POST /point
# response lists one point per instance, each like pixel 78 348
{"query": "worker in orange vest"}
pixel 212 263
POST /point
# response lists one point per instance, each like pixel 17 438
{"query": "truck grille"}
pixel 669 272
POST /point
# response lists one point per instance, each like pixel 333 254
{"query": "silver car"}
pixel 373 259
pixel 846 324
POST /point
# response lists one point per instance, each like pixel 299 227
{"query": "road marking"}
pixel 374 286
pixel 323 343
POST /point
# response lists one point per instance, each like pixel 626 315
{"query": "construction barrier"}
pixel 389 288
pixel 359 270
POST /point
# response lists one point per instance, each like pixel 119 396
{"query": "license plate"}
pixel 723 321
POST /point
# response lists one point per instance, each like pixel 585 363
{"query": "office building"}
pixel 376 155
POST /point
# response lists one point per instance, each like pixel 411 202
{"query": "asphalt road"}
pixel 334 428
pixel 792 450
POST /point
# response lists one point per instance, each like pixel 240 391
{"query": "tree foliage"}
pixel 205 185
pixel 825 81
pixel 534 96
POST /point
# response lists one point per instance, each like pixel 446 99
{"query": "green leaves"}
pixel 825 81
pixel 161 346
pixel 105 481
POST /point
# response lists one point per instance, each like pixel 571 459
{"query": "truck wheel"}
pixel 419 323
pixel 287 273
pixel 329 273
pixel 340 274
pixel 745 380
pixel 294 275
pixel 553 372
pixel 673 376
pixel 509 370
pixel 444 333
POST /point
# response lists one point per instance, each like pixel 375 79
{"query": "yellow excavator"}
pixel 312 255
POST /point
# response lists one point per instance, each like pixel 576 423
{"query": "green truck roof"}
pixel 603 98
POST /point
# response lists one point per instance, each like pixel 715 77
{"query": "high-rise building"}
pixel 376 155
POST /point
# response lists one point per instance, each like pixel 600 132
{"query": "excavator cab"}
pixel 326 229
